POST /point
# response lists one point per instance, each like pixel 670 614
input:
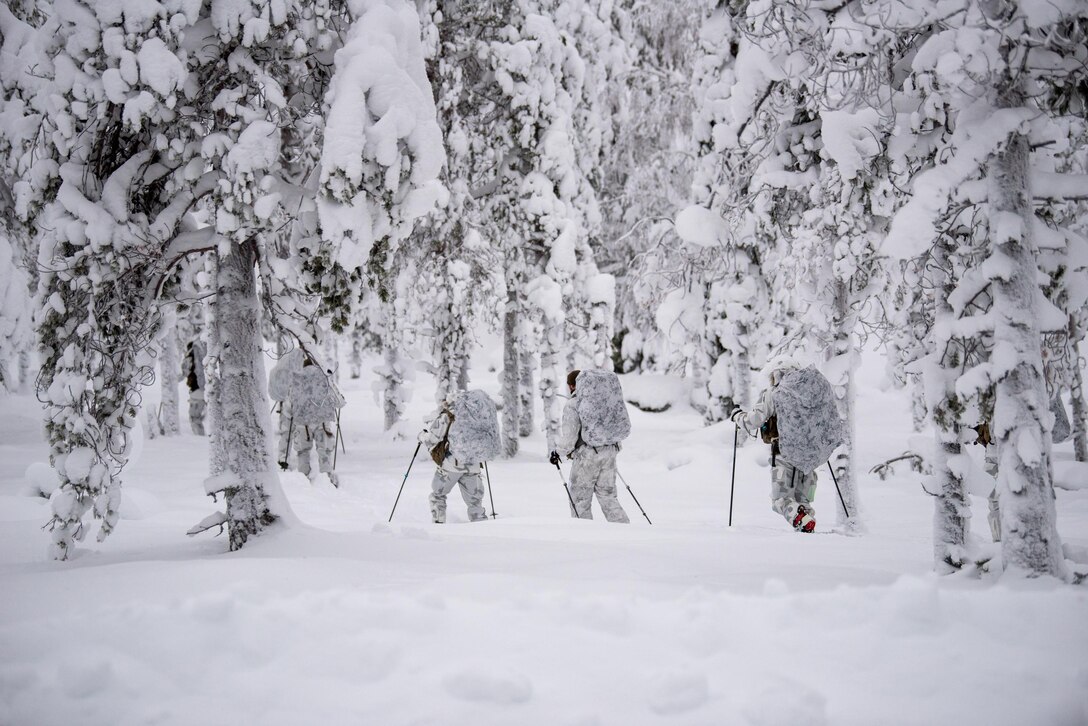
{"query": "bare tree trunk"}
pixel 1029 539
pixel 245 422
pixel 169 374
pixel 950 511
pixel 510 361
pixel 526 392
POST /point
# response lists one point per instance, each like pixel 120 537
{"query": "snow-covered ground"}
pixel 531 618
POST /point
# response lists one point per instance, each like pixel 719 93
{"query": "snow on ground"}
pixel 531 618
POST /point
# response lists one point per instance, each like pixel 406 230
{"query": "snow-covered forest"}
pixel 234 233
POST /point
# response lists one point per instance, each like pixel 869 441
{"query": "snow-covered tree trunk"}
pixel 526 391
pixel 510 377
pixel 551 378
pixel 213 412
pixel 950 511
pixel 1029 535
pixel 26 376
pixel 1076 393
pixel 392 380
pixel 356 354
pixel 169 374
pixel 742 370
pixel 917 403
pixel 246 428
pixel 602 314
pixel 844 351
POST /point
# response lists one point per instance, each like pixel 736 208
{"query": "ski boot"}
pixel 802 520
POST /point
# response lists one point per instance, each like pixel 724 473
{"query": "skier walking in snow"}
pixel 280 380
pixel 815 431
pixel 594 469
pixel 461 437
pixel 314 402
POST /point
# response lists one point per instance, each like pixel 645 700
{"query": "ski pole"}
pixel 733 480
pixel 633 496
pixel 339 436
pixel 573 508
pixel 489 495
pixel 414 454
pixel 335 451
pixel 287 449
pixel 832 470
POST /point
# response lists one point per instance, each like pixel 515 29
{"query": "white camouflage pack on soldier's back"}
pixel 474 434
pixel 601 408
pixel 809 427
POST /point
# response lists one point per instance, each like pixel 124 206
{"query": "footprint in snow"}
pixel 779 705
pixel 482 685
pixel 678 692
pixel 81 680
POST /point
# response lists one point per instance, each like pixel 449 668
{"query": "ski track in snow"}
pixel 532 618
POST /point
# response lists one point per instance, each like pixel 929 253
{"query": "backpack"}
pixel 474 432
pixel 809 427
pixel 601 408
pixel 314 398
pixel 279 379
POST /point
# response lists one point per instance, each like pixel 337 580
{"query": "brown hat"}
pixel 572 377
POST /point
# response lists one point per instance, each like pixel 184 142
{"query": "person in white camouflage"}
pixel 792 491
pixel 314 401
pixel 451 472
pixel 280 379
pixel 594 468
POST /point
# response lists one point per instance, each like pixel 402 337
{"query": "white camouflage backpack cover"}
pixel 809 427
pixel 474 434
pixel 314 398
pixel 601 408
pixel 280 379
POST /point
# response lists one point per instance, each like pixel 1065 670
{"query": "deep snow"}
pixel 532 618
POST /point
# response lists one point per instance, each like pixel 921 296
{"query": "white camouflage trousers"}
pixel 790 488
pixel 472 491
pixel 305 438
pixel 594 472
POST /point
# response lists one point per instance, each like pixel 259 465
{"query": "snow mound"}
pixel 677 692
pixel 652 392
pixel 487 684
pixel 41 479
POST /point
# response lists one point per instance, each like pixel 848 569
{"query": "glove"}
pixel 737 413
pixel 283 466
pixel 553 458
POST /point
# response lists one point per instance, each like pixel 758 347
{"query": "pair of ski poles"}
pixel 405 479
pixel 487 473
pixel 574 508
pixel 733 479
